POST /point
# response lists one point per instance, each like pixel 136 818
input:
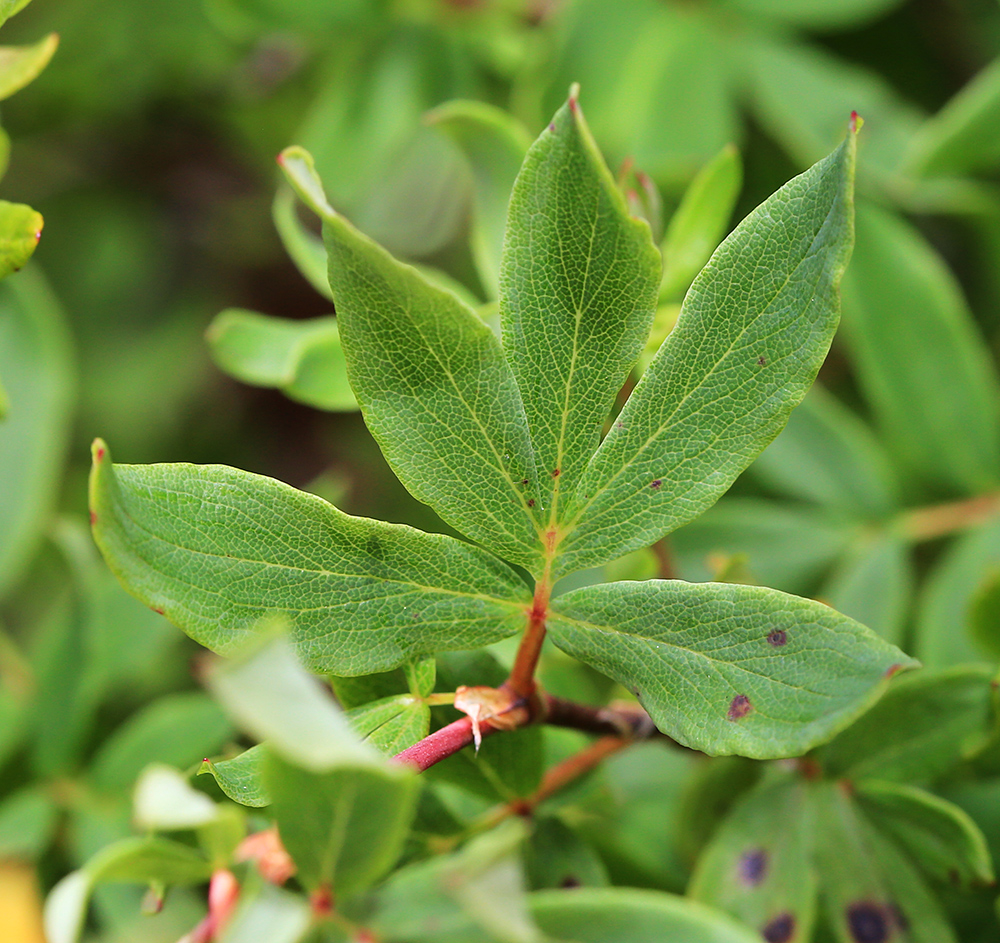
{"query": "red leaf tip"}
pixel 856 122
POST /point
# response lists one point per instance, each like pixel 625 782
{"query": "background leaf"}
pixel 241 778
pixel 920 361
pixel 303 359
pixel 37 369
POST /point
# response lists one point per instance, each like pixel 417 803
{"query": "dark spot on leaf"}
pixel 524 481
pixel 779 929
pixel 570 881
pixel 555 472
pixel 869 922
pixel 892 670
pixel 778 638
pixel 753 866
pixel 159 612
pixel 552 126
pixel 762 361
pixel 619 425
pixel 739 707
pixel 531 502
pixel 93 518
pixel 655 483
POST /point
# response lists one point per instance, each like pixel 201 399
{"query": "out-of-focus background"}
pixel 149 144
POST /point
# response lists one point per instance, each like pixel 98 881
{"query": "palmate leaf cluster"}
pixel 503 440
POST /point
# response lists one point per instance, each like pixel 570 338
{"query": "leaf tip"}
pixel 98 450
pixel 856 123
pixel 574 97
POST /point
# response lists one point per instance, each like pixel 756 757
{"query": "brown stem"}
pixel 942 519
pixel 620 720
pixel 573 767
pixel 522 676
pixel 665 560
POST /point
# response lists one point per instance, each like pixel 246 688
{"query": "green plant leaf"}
pixel 874 585
pixel 578 289
pixel 20 65
pixel 923 726
pixel 556 856
pixel 475 895
pixel 303 359
pixel 941 838
pixel 135 860
pixel 304 249
pixel 920 360
pixel 420 361
pixel 627 915
pixel 391 724
pixel 962 136
pixel 272 914
pixel 829 456
pixel 948 595
pixel 163 800
pixel 658 81
pixel 785 546
pixel 758 866
pixel 817 14
pixel 37 368
pixel 217 549
pixel 274 698
pixel 241 778
pixel 421 676
pixel 870 889
pixel 20 230
pixel 494 144
pixel 728 375
pixel 700 222
pixel 177 730
pixel 725 668
pixel 984 613
pixel 28 820
pixel 343 828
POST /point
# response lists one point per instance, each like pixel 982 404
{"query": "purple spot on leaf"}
pixel 869 922
pixel 778 638
pixel 762 361
pixel 739 707
pixel 552 126
pixel 753 866
pixel 531 502
pixel 779 929
pixel 656 483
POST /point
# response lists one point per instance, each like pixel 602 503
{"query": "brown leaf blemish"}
pixel 93 518
pixel 739 707
pixel 531 502
pixel 555 472
pixel 524 481
pixel 753 866
pixel 779 929
pixel 778 638
pixel 159 612
pixel 869 922
pixel 762 361
pixel 893 670
pixel 655 483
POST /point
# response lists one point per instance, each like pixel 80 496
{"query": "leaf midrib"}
pixel 314 572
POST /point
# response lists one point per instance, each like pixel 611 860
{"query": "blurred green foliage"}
pixel 148 145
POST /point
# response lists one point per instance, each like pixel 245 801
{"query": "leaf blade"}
pixel 727 668
pixel 217 549
pixel 724 383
